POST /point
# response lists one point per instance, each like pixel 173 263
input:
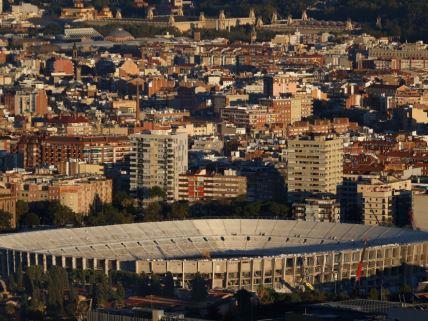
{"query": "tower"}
pixel 259 22
pixel 349 26
pixel 79 73
pixel 77 68
pixel 201 16
pixel 379 23
pixel 171 20
pixel 252 14
pixel 274 18
pixel 118 14
pixel 305 16
pixel 158 159
pixel 253 37
pixel 289 20
pixel 315 165
pixel 150 14
pixel 221 20
pixel 75 52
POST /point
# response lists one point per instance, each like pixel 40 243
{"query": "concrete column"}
pixel 212 273
pixel 44 263
pixel 340 272
pixel 5 262
pixel 63 265
pixel 263 272
pixel 239 274
pixel 106 266
pixel 73 263
pixel 273 272
pixel 294 269
pixel 227 274
pixel 252 275
pixel 183 274
pixel 284 268
pixel 84 263
pixel 14 260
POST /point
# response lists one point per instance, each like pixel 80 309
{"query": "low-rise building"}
pixel 205 186
pixel 317 210
pixel 385 201
pixel 8 204
pixel 79 194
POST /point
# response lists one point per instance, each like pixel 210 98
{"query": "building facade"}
pixel 8 204
pixel 158 158
pixel 318 210
pixel 79 194
pixel 205 186
pixel 315 165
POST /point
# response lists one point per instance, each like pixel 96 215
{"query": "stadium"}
pixel 232 253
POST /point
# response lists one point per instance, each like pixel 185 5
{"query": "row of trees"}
pixel 125 209
pixel 56 292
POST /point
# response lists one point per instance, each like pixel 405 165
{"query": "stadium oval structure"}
pixel 231 253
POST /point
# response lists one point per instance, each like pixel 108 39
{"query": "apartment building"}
pixel 276 85
pixel 385 201
pixel 91 149
pixel 317 210
pixel 158 158
pixel 315 165
pixel 33 102
pixel 206 186
pixel 78 194
pixel 8 204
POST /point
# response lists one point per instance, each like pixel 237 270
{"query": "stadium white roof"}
pixel 194 238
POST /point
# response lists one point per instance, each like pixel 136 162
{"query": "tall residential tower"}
pixel 158 158
pixel 315 165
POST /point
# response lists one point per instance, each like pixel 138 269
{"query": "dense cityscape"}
pixel 166 160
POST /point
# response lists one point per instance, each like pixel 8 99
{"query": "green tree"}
pixel 156 191
pixel 30 220
pixel 155 285
pixel 10 310
pixel 72 302
pixel 143 284
pixel 243 299
pixel 295 298
pixel 373 294
pixel 122 201
pixel 168 288
pixel 199 288
pixel 101 294
pixel 19 278
pixel 120 293
pixel 57 283
pixel 21 209
pixel 5 220
pixel 179 211
pixel 153 212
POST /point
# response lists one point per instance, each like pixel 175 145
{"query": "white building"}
pixel 157 159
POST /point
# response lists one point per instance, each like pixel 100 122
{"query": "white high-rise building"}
pixel 158 158
pixel 315 165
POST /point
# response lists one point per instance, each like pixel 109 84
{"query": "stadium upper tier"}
pixel 203 238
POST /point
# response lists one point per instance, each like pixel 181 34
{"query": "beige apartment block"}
pixel 158 159
pixel 315 165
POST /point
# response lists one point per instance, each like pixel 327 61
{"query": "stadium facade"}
pixel 232 253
